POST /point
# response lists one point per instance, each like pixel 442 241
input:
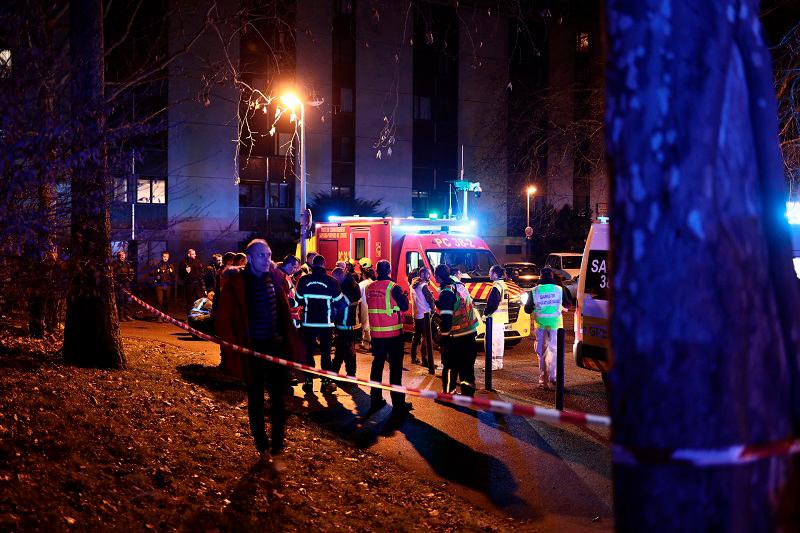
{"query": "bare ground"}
pixel 165 445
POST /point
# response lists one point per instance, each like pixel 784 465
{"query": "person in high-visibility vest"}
pixel 348 323
pixel 367 277
pixel 497 309
pixel 386 304
pixel 319 294
pixel 458 330
pixel 545 303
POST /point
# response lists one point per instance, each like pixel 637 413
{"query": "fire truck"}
pixel 411 243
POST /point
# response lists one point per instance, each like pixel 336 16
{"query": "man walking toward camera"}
pixel 253 312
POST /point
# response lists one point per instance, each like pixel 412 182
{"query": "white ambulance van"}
pixel 592 346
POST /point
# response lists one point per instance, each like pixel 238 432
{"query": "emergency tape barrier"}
pixel 496 406
pixel 732 455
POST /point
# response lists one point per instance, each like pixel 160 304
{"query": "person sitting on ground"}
pixel 200 317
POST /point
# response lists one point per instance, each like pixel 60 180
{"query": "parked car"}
pixel 523 274
pixel 565 264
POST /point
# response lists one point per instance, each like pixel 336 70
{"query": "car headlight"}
pixel 523 298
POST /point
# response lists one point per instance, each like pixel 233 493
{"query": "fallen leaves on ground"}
pixel 147 448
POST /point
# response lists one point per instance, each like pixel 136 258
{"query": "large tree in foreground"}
pixel 91 331
pixel 706 321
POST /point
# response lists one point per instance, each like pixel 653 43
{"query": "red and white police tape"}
pixel 738 454
pixel 508 408
pixel 732 455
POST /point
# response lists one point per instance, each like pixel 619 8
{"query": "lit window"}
pixel 5 63
pixel 582 42
pixel 279 195
pixel 151 191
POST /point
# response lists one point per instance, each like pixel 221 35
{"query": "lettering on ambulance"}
pixel 332 232
pixel 445 242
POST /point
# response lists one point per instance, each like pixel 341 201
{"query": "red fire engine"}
pixel 410 243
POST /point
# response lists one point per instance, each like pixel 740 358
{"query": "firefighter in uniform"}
pixel 545 303
pixel 318 293
pixel 497 309
pixel 386 304
pixel 458 333
pixel 348 323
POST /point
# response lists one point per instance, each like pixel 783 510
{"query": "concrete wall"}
pixel 560 159
pixel 383 89
pixel 313 76
pixel 202 196
pixel 483 78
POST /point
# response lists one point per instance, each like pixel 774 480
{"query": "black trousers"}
pixel 390 349
pixel 123 305
pixel 277 379
pixel 162 298
pixel 458 363
pixel 419 339
pixel 325 336
pixel 345 344
pixel 191 292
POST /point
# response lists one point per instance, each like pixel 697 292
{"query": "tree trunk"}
pixel 705 320
pixel 91 333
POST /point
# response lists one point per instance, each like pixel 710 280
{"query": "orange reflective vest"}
pixel 385 319
pixel 465 320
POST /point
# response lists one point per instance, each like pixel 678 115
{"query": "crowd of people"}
pixel 291 310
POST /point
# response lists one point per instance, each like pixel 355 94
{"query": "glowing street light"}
pixel 291 101
pixel 531 191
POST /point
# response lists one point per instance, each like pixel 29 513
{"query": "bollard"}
pixel 488 380
pixel 426 330
pixel 560 369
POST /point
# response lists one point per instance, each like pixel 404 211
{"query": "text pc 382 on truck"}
pixel 410 243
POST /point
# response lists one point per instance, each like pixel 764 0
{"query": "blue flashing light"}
pixel 793 213
pixel 433 216
pixel 333 218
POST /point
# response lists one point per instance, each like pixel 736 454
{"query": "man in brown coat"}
pixel 254 312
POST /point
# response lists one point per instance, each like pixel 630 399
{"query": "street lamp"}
pixel 531 192
pixel 291 101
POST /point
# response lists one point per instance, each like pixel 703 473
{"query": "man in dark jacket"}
pixel 163 276
pixel 190 272
pixel 458 332
pixel 212 271
pixel 123 274
pixel 254 312
pixel 347 322
pixel 319 294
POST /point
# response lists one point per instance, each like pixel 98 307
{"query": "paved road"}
pixel 554 476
